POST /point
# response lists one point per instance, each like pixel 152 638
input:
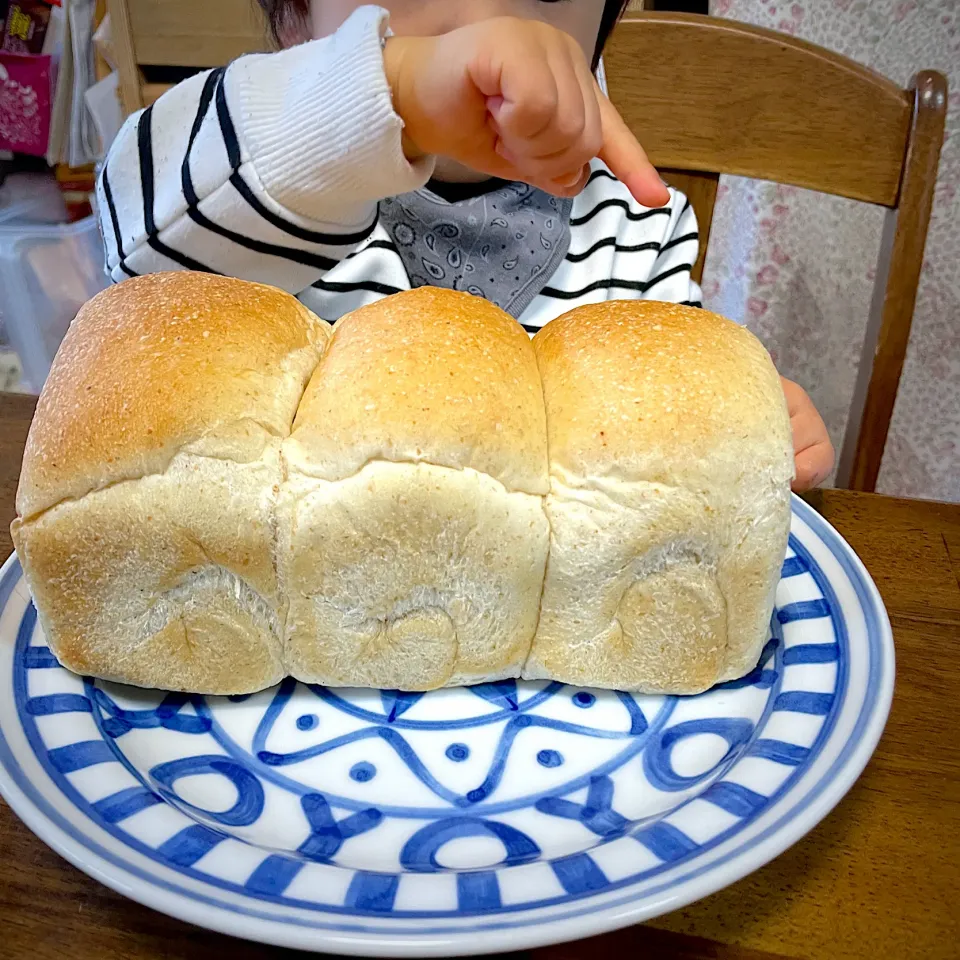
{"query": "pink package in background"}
pixel 25 95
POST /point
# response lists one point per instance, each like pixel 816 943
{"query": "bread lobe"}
pixel 412 532
pixel 670 466
pixel 147 517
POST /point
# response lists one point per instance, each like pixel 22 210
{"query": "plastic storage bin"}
pixel 47 272
pixel 31 198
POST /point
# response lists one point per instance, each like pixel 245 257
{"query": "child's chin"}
pixel 449 171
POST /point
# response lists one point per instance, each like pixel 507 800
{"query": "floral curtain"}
pixel 798 267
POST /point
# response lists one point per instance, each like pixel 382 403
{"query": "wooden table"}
pixel 878 878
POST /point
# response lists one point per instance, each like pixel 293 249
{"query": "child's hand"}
pixel 812 449
pixel 515 99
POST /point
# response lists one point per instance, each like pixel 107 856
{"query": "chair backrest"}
pixel 178 33
pixel 707 96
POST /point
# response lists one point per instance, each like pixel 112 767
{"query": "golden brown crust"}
pixel 155 363
pixel 430 376
pixel 640 388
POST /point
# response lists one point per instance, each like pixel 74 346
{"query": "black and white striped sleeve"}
pixel 267 170
pixel 622 250
pixel 670 276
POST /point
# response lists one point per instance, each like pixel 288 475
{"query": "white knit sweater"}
pixel 272 169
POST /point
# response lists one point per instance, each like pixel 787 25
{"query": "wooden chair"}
pixel 157 35
pixel 708 96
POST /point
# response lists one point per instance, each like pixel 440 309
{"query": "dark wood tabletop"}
pixel 878 878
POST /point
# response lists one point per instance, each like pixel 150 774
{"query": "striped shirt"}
pixel 272 169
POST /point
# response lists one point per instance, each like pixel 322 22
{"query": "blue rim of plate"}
pixel 318 933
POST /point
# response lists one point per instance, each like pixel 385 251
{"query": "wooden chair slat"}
pixel 185 33
pixel 709 94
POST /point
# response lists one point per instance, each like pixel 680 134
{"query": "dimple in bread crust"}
pixel 165 581
pixel 410 576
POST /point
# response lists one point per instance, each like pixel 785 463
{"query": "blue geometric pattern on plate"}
pixel 412 745
pixel 483 802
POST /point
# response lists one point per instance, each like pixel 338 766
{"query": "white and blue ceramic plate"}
pixel 464 821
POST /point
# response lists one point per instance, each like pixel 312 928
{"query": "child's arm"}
pixel 269 170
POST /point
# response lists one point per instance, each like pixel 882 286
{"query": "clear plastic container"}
pixel 47 272
pixel 31 198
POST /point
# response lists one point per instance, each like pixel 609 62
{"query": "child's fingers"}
pixel 813 466
pixel 809 431
pixel 813 451
pixel 805 422
pixel 566 122
pixel 593 117
pixel 548 117
pixel 573 136
pixel 563 168
pixel 523 100
pixel 570 186
pixel 622 153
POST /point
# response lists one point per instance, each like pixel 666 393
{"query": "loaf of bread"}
pixel 669 503
pixel 412 534
pixel 217 492
pixel 147 497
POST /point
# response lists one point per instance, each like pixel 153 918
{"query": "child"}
pixel 467 146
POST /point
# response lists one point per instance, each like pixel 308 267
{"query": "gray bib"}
pixel 503 245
